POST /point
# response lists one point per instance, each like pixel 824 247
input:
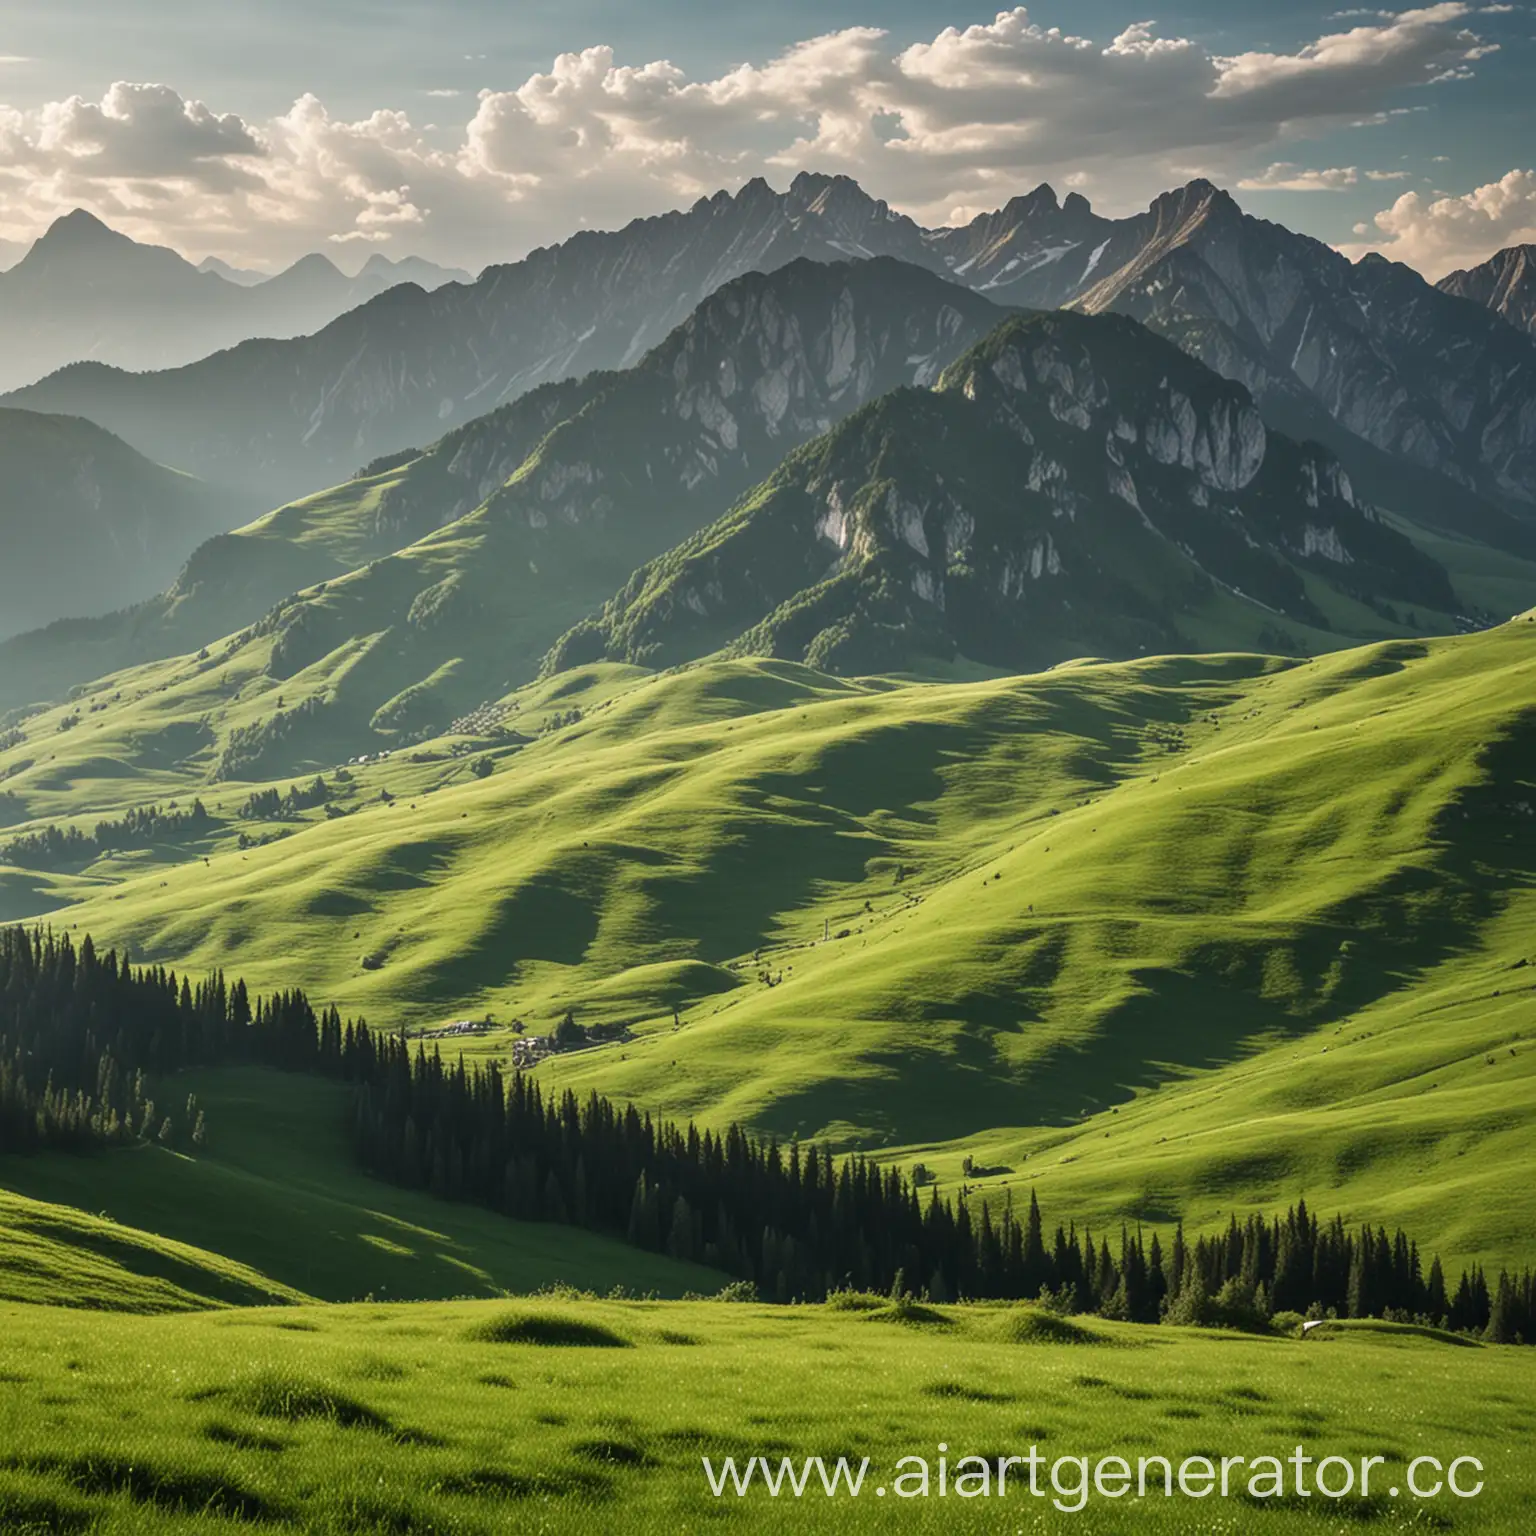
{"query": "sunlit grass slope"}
pixel 549 1415
pixel 1093 928
pixel 56 1255
pixel 278 1199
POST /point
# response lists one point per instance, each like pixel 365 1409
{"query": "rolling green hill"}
pixel 1174 936
pixel 58 1255
pixel 276 1211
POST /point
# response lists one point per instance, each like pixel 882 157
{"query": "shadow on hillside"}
pixel 1215 1008
pixel 23 897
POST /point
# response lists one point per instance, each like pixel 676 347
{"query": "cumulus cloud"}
pixel 1438 234
pixel 945 126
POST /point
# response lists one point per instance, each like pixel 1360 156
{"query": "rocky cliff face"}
pixel 1370 347
pixel 640 459
pixel 1505 283
pixel 1075 486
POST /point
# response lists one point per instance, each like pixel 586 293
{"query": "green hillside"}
pixel 276 1210
pixel 1106 918
pixel 59 1256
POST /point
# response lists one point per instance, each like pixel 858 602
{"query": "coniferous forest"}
pixel 90 1045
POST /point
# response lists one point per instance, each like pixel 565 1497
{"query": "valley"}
pixel 1107 898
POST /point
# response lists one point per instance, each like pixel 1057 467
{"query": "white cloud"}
pixel 956 123
pixel 1285 177
pixel 1439 234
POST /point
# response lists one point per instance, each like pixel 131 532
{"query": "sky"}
pixel 470 131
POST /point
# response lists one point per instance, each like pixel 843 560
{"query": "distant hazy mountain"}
pixel 527 518
pixel 86 524
pixel 11 251
pixel 1075 486
pixel 1431 402
pixel 240 276
pixel 85 291
pixel 380 272
pixel 1505 283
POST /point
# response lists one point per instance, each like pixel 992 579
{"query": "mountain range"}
pixel 87 524
pixel 1428 398
pixel 481 550
pixel 1074 486
pixel 85 291
pixel 1505 283
pixel 859 465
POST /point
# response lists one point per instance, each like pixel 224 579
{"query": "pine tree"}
pixel 1501 1314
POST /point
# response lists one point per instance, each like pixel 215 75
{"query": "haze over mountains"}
pixel 1428 397
pixel 1088 488
pixel 85 291
pixel 1074 485
pixel 88 525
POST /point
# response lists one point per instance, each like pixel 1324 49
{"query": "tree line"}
pixel 268 804
pixel 84 1037
pixel 799 1225
pixel 55 847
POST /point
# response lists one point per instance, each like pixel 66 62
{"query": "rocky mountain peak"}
pixel 839 200
pixel 79 249
pixel 1198 201
pixel 1031 204
pixel 315 265
pixel 1505 283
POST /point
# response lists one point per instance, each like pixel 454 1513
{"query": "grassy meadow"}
pixel 557 1414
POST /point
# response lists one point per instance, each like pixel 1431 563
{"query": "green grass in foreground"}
pixel 554 1415
pixel 277 1210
